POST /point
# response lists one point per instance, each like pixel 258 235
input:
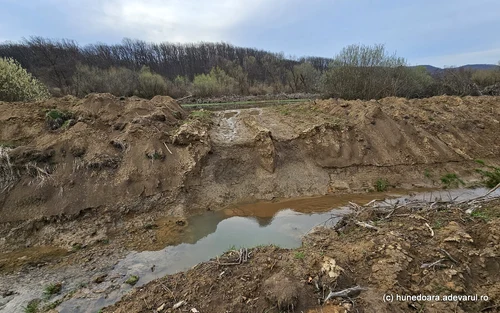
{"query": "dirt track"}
pixel 146 161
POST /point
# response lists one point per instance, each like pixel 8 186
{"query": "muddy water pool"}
pixel 281 223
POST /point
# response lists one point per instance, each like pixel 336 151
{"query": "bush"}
pixel 363 72
pixel 151 84
pixel 491 175
pixel 16 84
pixel 217 83
pixel 118 81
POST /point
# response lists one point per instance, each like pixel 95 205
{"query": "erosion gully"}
pixel 281 223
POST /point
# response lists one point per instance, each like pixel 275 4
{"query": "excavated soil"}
pixel 123 174
pixel 392 262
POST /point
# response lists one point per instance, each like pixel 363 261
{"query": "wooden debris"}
pixel 427 265
pixel 344 293
pixel 178 304
pixel 430 228
pixel 366 225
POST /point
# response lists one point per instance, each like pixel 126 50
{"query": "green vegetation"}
pixel 481 214
pixel 215 69
pixel 300 255
pixel 51 289
pixel 132 280
pixel 52 305
pixel 427 173
pixel 32 307
pixel 216 83
pixel 201 115
pixel 491 175
pixel 76 247
pixel 451 180
pixel 381 185
pixel 58 119
pixel 16 84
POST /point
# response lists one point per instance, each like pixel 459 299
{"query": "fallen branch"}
pixel 366 225
pixel 178 304
pixel 343 293
pixel 243 257
pixel 448 255
pixel 430 228
pixel 167 148
pixel 427 265
pixel 184 98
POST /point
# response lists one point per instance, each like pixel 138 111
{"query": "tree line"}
pixel 135 67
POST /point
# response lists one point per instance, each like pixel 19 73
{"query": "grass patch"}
pixel 300 255
pixel 7 144
pixel 201 115
pixel 451 180
pixel 51 289
pixel 427 173
pixel 58 119
pixel 76 247
pixel 491 175
pixel 381 185
pixel 481 215
pixel 32 307
pixel 52 305
pixel 132 280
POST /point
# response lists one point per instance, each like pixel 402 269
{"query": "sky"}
pixel 435 32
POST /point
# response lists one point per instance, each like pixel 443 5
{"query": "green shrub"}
pixel 491 176
pixel 217 83
pixel 451 180
pixel 381 185
pixel 52 289
pixel 16 84
pixel 151 84
pixel 118 81
pixel 32 306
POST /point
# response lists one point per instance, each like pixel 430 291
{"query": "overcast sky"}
pixel 436 32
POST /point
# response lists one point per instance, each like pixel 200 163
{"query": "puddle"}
pixel 281 223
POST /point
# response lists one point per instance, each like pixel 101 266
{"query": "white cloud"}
pixel 491 56
pixel 166 20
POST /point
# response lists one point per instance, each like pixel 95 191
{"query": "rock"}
pixel 99 279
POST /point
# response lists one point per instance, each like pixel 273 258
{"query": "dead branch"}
pixel 448 255
pixel 427 265
pixel 167 147
pixel 242 258
pixel 366 225
pixel 178 304
pixel 184 98
pixel 430 228
pixel 344 293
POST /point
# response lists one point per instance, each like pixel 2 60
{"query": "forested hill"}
pixel 144 69
pixel 54 62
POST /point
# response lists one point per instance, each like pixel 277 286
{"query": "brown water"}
pixel 281 223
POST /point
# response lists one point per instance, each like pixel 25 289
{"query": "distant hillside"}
pixel 433 69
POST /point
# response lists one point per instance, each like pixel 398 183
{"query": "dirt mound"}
pixel 121 157
pixel 440 252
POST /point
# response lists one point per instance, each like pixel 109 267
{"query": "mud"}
pixel 393 260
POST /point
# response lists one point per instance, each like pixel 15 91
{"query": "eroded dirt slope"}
pixel 118 158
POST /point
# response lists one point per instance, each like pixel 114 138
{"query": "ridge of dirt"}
pixel 126 161
pixel 395 259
